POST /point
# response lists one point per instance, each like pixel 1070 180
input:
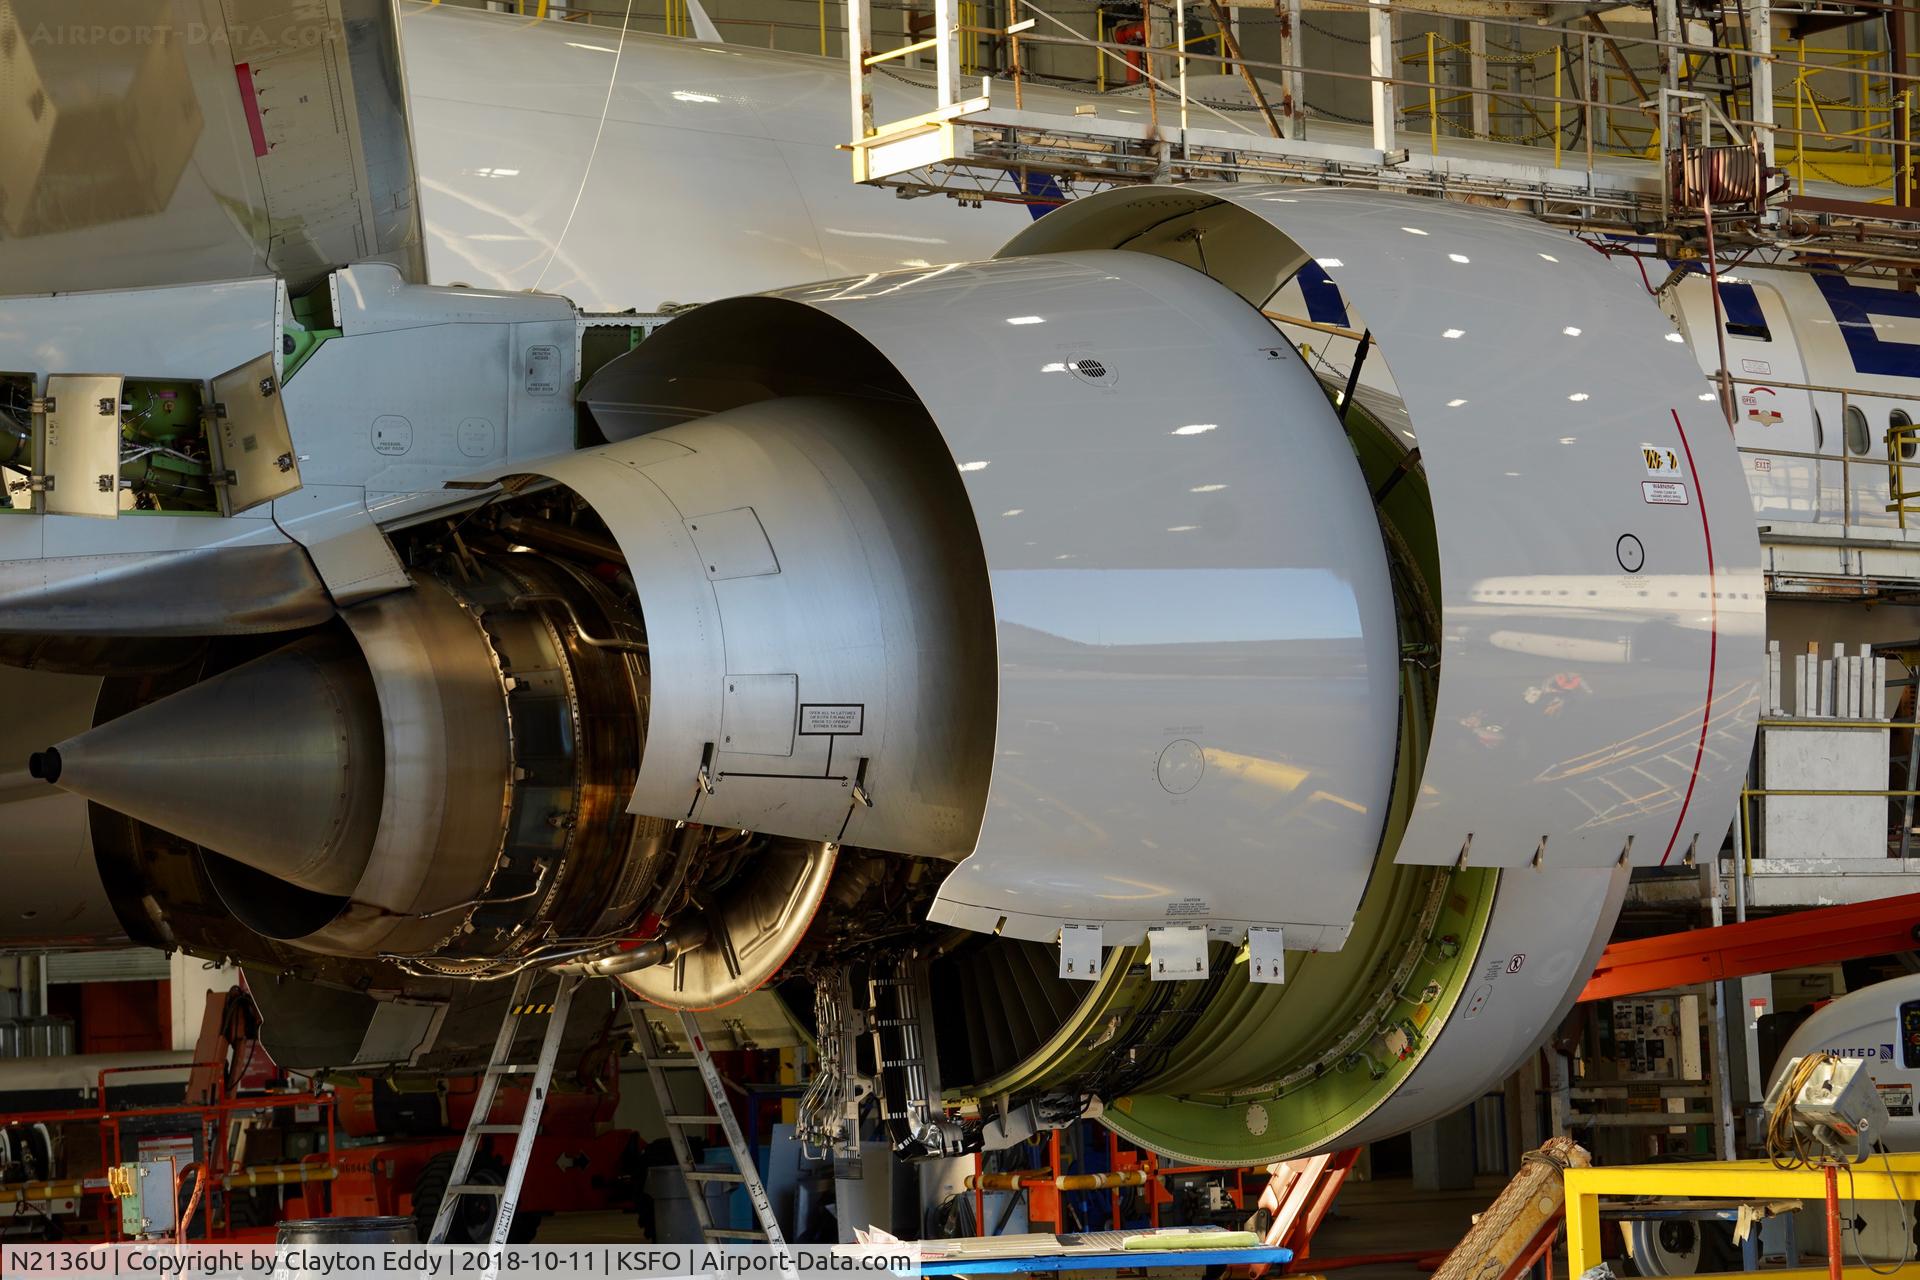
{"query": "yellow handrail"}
pixel 1433 103
pixel 1892 1177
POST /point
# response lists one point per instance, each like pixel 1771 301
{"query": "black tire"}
pixel 1718 1252
pixel 473 1218
pixel 1684 1247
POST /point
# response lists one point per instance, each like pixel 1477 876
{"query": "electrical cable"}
pixel 1786 1147
pixel 606 108
pixel 1906 1221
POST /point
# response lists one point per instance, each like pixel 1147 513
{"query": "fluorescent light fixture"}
pixel 1330 262
pixel 1575 397
pixel 1453 333
pixel 1013 511
pixel 1206 488
pixel 1196 428
pixel 1413 231
pixel 1572 331
pixel 1459 257
pixel 1026 320
pixel 1451 404
pixel 687 95
pixel 1182 528
pixel 973 466
pixel 1549 257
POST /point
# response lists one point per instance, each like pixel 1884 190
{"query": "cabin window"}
pixel 1896 420
pixel 1859 435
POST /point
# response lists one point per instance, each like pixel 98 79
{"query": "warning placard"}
pixel 819 719
pixel 1897 1097
pixel 1663 493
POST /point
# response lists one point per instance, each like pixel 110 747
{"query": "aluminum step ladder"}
pixel 519 1005
pixel 659 1063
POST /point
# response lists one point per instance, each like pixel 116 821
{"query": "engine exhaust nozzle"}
pixel 277 763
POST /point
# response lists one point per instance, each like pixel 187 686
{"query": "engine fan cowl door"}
pixel 249 437
pixel 80 445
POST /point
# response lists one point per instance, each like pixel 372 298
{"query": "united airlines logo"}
pixel 1882 1054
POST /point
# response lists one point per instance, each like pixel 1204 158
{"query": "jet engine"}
pixel 1091 701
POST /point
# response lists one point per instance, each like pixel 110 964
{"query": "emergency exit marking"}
pixel 1177 953
pixel 1080 951
pixel 1660 460
pixel 1266 954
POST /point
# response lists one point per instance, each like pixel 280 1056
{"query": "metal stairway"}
pixel 1717 72
pixel 519 1005
pixel 659 1064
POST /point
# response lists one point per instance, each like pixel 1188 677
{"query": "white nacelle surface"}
pixel 1601 603
pixel 1198 677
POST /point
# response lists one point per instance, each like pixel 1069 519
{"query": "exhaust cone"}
pixel 277 764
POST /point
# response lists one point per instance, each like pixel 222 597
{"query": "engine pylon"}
pixel 276 763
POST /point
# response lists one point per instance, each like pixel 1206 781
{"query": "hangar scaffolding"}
pixel 1742 119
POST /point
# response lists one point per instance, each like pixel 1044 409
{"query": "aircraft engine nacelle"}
pixel 905 621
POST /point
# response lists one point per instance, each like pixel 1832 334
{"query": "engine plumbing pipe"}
pixel 1009 1181
pixel 1101 1181
pixel 685 935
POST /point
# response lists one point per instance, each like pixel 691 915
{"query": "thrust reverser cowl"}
pixel 1195 652
pixel 275 764
pixel 1599 593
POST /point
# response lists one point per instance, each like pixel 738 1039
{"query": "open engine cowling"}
pixel 906 620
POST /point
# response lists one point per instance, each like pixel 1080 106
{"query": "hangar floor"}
pixel 1383 1217
pixel 1389 1216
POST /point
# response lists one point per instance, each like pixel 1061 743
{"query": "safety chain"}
pixel 1861 186
pixel 1469 131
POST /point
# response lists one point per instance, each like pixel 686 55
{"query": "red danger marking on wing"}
pixel 250 104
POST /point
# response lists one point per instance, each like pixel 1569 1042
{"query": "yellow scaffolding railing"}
pixel 1903 446
pixel 1890 1177
pixel 1828 114
pixel 1862 155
